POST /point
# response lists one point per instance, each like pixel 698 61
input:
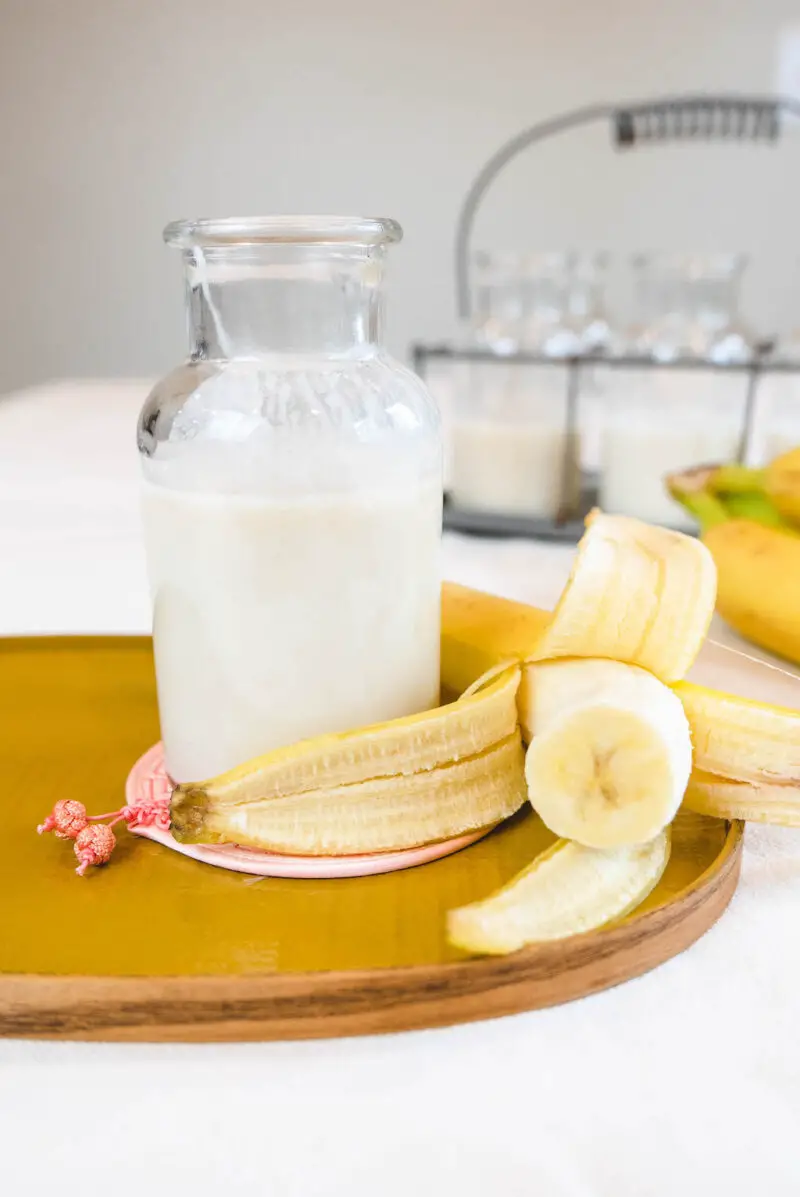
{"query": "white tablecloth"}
pixel 686 1081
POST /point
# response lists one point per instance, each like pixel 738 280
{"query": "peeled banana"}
pixel 610 752
pixel 567 890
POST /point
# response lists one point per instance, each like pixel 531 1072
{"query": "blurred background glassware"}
pixel 658 421
pixel 497 304
pixel 687 306
pixel 588 314
pixel 777 421
pixel 716 286
pixel 587 301
pixel 785 346
pixel 547 327
pixel 511 446
pixel 777 415
pixel 449 379
pixel 499 300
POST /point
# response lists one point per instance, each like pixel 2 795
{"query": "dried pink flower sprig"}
pixel 95 839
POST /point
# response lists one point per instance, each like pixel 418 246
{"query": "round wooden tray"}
pixel 159 947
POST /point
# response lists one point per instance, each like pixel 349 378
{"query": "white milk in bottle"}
pixel 292 500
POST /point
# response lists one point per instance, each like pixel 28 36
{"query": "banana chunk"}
pixel 567 890
pixel 610 750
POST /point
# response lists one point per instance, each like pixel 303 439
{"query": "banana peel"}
pixel 376 815
pixel 777 803
pixel 567 890
pixel 399 784
pixel 636 593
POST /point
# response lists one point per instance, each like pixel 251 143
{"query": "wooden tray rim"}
pixel 261 1006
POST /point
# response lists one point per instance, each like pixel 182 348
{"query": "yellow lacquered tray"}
pixel 156 946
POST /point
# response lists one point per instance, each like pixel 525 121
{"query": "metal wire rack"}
pixel 734 118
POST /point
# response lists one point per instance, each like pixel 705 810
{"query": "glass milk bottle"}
pixel 292 497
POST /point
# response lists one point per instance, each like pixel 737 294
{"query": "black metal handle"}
pixel 697 118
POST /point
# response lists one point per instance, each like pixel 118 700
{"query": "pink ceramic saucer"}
pixel 148 780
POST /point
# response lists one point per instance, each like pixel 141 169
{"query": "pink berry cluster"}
pixel 94 841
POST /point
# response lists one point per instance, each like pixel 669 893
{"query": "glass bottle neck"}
pixel 249 301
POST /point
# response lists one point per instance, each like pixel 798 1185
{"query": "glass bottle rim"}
pixel 282 230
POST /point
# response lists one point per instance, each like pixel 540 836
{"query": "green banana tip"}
pixel 736 479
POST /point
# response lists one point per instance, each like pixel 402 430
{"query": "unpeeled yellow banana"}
pixel 743 518
pixel 759 583
pixel 781 484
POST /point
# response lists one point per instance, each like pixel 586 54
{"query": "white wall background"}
pixel 117 115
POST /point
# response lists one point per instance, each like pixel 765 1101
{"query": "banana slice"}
pixel 567 890
pixel 637 594
pixel 610 751
pixel 755 802
pixel 378 815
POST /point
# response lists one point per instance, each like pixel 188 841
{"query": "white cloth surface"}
pixel 685 1081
